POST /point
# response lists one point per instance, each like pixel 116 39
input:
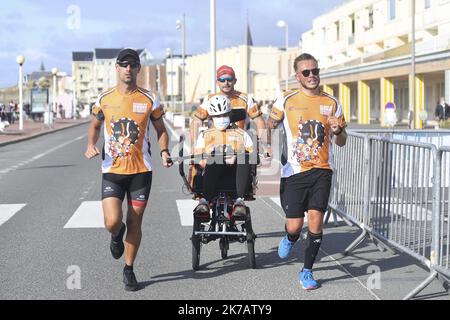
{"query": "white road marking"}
pixel 8 210
pixel 88 215
pixel 185 209
pixel 268 181
pixel 348 273
pixel 15 167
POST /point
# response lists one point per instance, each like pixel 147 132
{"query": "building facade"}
pixel 364 49
pixel 94 72
pixel 256 68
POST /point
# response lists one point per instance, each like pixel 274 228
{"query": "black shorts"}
pixel 135 186
pixel 304 191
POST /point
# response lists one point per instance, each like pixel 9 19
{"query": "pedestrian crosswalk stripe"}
pixel 8 210
pixel 88 215
pixel 185 208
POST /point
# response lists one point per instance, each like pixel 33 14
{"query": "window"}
pixel 337 30
pixel 392 9
pixel 427 4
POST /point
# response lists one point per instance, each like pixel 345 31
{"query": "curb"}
pixel 2 144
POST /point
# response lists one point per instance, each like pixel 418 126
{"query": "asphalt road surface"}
pixel 53 244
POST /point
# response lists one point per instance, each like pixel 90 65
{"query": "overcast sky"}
pixel 50 30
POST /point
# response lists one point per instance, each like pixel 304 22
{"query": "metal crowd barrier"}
pixel 443 263
pixel 439 137
pixel 401 195
pixel 398 193
pixel 347 193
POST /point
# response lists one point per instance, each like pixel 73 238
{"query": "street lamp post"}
pixel 74 102
pixel 283 24
pixel 50 119
pixel 413 68
pixel 20 60
pixel 169 56
pixel 181 25
pixel 213 44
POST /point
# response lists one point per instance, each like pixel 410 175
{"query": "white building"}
pixel 95 72
pixel 364 51
pixel 258 70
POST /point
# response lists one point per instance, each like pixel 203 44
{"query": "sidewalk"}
pixel 32 129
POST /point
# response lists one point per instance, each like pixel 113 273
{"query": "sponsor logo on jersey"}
pixel 139 107
pixel 326 110
pixel 291 108
pixel 107 106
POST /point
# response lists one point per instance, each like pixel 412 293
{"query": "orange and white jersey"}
pixel 126 129
pixel 238 100
pixel 234 139
pixel 308 136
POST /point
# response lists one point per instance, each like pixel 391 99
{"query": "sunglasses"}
pixel 307 72
pixel 222 80
pixel 125 64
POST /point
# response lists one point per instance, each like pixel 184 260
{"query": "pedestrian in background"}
pixel 442 111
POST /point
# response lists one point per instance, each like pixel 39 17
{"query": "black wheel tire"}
pixel 250 242
pixel 195 253
pixel 251 253
pixel 196 245
pixel 223 248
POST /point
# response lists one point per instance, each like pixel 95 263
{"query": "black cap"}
pixel 127 55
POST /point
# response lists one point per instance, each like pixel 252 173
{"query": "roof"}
pixel 248 40
pixel 39 74
pixel 110 53
pixel 106 53
pixel 82 56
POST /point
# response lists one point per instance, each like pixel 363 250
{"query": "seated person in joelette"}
pixel 224 138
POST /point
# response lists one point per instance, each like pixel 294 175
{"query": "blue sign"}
pixel 390 105
pixel 39 100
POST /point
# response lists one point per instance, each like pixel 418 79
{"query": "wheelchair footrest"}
pixel 220 233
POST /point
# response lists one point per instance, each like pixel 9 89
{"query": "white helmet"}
pixel 218 105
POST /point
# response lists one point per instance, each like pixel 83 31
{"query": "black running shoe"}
pixel 129 279
pixel 239 210
pixel 201 211
pixel 116 244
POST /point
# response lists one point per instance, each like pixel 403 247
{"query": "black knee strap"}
pixel 315 237
pixel 291 237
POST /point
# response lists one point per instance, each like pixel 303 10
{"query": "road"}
pixel 53 244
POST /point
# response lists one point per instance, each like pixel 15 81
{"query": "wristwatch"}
pixel 339 132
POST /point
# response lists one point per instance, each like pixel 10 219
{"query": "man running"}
pixel 240 103
pixel 127 112
pixel 312 120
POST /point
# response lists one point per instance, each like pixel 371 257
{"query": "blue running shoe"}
pixel 285 247
pixel 307 280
